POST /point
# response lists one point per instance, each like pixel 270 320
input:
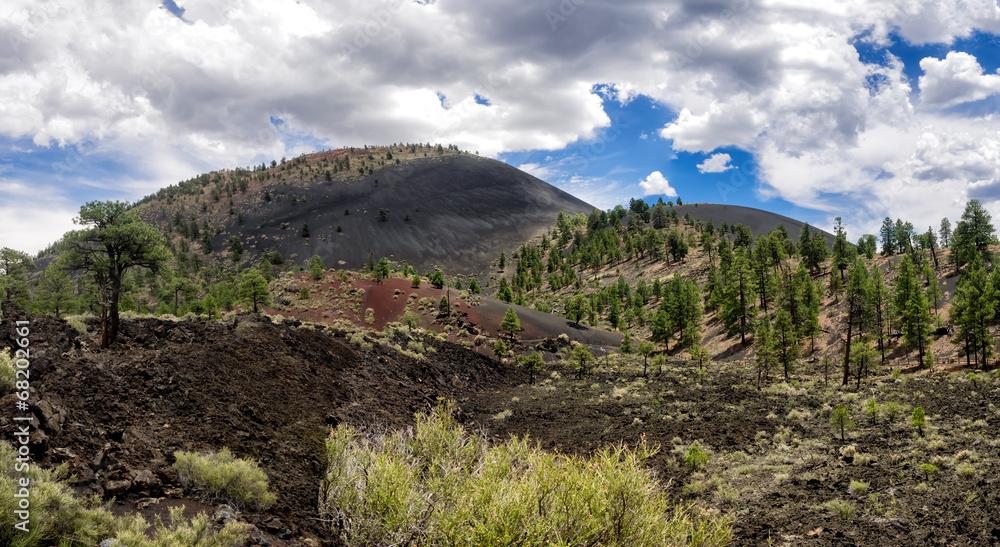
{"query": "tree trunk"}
pixel 112 332
pixel 847 348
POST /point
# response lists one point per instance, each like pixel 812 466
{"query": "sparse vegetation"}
pixel 436 483
pixel 222 477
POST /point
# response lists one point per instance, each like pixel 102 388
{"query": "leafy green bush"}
pixel 222 477
pixel 435 484
pixel 59 518
pixel 919 420
pixel 695 458
pixel 7 374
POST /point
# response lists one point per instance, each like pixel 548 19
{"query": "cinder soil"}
pixel 268 392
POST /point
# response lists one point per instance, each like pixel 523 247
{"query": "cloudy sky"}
pixel 851 108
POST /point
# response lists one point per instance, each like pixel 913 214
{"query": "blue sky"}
pixel 859 109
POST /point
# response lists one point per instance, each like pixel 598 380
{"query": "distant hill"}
pixel 434 208
pixel 758 220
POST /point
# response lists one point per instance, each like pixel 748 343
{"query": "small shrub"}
pixel 303 293
pixel 78 323
pixel 892 410
pixel 843 508
pixel 7 372
pixel 436 484
pixel 695 458
pixel 841 419
pixel 965 469
pixel 222 477
pixel 928 469
pixel 58 517
pixel 872 410
pixel 369 316
pixel 858 488
pixel 919 420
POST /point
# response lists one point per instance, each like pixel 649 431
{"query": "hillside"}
pixel 759 221
pixel 429 207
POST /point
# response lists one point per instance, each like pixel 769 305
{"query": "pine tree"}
pixel 499 349
pixel 945 232
pixel 437 279
pixel 626 345
pixel 511 323
pixel 858 300
pixel 881 303
pixel 916 324
pixel 973 236
pixel 843 254
pixel 973 310
pixel 764 350
pixel 765 282
pixel 739 301
pixel 316 268
pixel 55 290
pixel 116 242
pixel 381 270
pixel 206 243
pixel 645 349
pixel 786 343
pixel 888 236
pixel 253 289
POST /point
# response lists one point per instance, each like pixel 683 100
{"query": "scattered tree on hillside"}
pixel 945 232
pixel 254 289
pixel 881 303
pixel 382 270
pixel 973 310
pixel 410 319
pixel 626 345
pixel 415 282
pixel 973 236
pixel 843 254
pixel 763 350
pixel 316 269
pixel 14 269
pixel 582 356
pixel 437 279
pixel 55 290
pixel 116 242
pixel 235 248
pixel 499 349
pixel 888 237
pixel 867 245
pixel 739 298
pixel 474 286
pixel 645 349
pixel 535 364
pixel 444 307
pixel 206 243
pixel 858 303
pixel 511 323
pixel 786 343
pixel 812 247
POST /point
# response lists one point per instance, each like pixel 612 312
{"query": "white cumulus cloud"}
pixel 716 163
pixel 956 79
pixel 655 183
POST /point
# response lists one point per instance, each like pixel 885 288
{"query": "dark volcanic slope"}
pixel 463 210
pixel 759 221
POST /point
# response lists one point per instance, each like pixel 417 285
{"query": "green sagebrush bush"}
pixel 222 477
pixel 57 517
pixel 435 484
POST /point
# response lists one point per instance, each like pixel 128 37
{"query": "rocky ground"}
pixel 271 390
